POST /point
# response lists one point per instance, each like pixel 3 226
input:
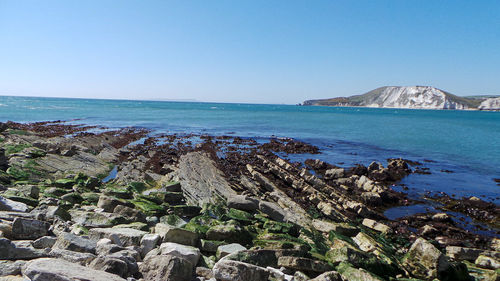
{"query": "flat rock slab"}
pixel 11 251
pixel 120 236
pixel 10 205
pixel 176 235
pixel 46 269
pixel 29 228
pixel 304 264
pixel 72 242
pixel 228 270
pixel 189 253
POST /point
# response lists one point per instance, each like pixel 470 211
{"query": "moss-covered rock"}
pixel 186 211
pixel 72 197
pixel 239 215
pixel 90 198
pixel 230 232
pixel 18 174
pixel 64 183
pixel 282 227
pixel 134 225
pixel 149 208
pixel 351 273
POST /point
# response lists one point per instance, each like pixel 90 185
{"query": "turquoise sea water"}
pixel 465 142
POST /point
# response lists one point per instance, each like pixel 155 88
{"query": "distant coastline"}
pixel 412 97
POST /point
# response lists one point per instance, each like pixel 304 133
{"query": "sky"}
pixel 255 51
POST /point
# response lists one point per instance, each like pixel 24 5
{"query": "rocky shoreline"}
pixel 196 207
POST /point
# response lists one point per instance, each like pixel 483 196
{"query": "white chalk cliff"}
pixel 418 97
pixel 490 104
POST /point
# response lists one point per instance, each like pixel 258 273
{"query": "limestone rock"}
pixel 11 251
pixel 424 260
pixel 200 179
pixel 225 250
pixel 303 264
pixel 71 256
pixel 176 235
pixel 242 202
pixel 228 270
pixel 44 242
pixel 10 205
pixel 46 269
pixel 149 242
pixel 462 253
pixel 11 267
pixel 120 236
pixel 189 253
pixel 166 268
pixel 329 276
pixel 72 242
pixel 487 262
pixel 377 226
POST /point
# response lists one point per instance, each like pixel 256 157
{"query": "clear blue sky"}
pixel 246 51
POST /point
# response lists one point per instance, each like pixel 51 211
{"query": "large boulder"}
pixel 229 270
pixel 243 202
pixel 11 267
pixel 11 251
pixel 189 253
pixel 201 180
pixel 120 236
pixel 10 205
pixel 166 268
pixel 46 269
pixel 29 229
pixel 176 235
pixel 72 242
pixel 423 260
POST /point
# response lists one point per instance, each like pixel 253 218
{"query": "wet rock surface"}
pixel 191 207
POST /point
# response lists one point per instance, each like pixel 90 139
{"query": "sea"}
pixel 460 149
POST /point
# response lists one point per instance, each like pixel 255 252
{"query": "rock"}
pixel 495 244
pixel 71 256
pixel 166 268
pixel 225 250
pixel 189 253
pixel 377 226
pixel 334 173
pixel 149 242
pixel 11 251
pixel 120 236
pixel 303 264
pixel 204 272
pixel 423 260
pixel 371 198
pixel 462 253
pixel 107 203
pixel 72 242
pixel 10 205
pixel 354 274
pixel 329 276
pixel 210 246
pixel 11 267
pixel 176 235
pixel 243 202
pixel 44 242
pixel 228 270
pixel 346 253
pixel 6 230
pixel 29 229
pixel 341 228
pixel 112 265
pixel 487 262
pixel 428 230
pixel 201 180
pixel 46 269
pixel 229 232
pixel 274 211
pixel 441 217
pixel 12 278
pixel 96 219
pixel 365 242
pixel 129 213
